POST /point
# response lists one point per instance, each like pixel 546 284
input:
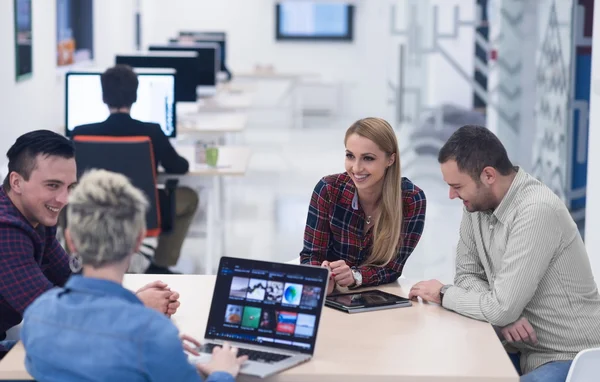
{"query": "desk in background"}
pixel 211 123
pixel 232 161
pixel 292 92
pixel 223 128
pixel 222 102
pixel 423 343
pixel 275 75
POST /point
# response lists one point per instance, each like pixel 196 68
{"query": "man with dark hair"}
pixel 42 171
pixel 521 264
pixel 119 93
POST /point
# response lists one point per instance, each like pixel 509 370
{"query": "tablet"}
pixel 366 301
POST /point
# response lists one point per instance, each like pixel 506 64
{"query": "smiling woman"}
pixel 364 224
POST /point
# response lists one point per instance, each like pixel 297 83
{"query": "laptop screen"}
pixel 270 304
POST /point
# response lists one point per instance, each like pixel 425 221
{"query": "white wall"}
pixel 366 63
pixel 445 85
pixel 38 102
pixel 516 43
pixel 30 104
pixel 592 208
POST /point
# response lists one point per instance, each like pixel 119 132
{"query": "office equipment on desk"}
pixel 200 36
pixel 207 153
pixel 366 301
pixel 271 311
pixel 232 161
pixel 212 155
pixel 186 65
pixel 209 56
pixel 155 99
pixel 397 343
pixel 314 20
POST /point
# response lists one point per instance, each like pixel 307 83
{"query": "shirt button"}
pixel 491 227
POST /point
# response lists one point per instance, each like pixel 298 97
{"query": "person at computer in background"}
pixel 106 333
pixel 364 224
pixel 119 93
pixel 521 264
pixel 41 173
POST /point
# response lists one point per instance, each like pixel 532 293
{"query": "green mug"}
pixel 212 156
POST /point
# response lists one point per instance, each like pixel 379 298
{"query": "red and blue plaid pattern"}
pixel 32 261
pixel 334 229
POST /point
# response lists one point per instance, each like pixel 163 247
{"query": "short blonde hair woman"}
pixel 364 223
pixel 95 314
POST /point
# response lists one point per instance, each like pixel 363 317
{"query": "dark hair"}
pixel 23 153
pixel 474 148
pixel 119 86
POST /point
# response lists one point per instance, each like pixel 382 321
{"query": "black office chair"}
pixel 134 158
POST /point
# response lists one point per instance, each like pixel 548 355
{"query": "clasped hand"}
pixel 341 274
pixel 158 296
pixel 519 331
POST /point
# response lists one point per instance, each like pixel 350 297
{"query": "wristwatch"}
pixel 357 277
pixel 443 292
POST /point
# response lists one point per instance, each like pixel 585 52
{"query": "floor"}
pixel 267 208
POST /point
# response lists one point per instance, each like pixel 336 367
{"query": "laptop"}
pixel 269 311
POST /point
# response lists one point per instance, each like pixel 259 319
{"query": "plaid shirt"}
pixel 335 223
pixel 32 261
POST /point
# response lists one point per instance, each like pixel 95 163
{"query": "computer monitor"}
pixel 209 54
pixel 314 20
pixel 155 99
pixel 186 65
pixel 203 37
pixel 222 35
pixel 209 57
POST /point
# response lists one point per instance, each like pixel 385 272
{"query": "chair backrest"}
pixel 585 366
pixel 130 156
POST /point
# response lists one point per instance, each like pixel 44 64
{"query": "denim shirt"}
pixel 96 330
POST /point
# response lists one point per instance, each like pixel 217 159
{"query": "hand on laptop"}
pixel 158 296
pixel 520 331
pixel 223 359
pixel 190 349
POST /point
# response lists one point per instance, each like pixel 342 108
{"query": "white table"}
pixel 221 127
pixel 211 123
pixel 294 80
pixel 423 343
pixel 226 101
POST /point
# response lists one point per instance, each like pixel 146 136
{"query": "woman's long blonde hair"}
pixel 386 229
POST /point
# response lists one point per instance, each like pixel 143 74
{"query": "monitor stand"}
pixel 206 91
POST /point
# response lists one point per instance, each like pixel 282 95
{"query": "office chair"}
pixel 585 366
pixel 134 158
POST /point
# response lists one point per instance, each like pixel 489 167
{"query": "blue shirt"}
pixel 96 330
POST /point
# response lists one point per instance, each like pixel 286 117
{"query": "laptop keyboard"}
pixel 253 355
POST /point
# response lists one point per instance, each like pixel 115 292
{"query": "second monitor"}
pixel 186 66
pixel 209 62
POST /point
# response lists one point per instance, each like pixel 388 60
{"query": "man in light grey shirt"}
pixel 521 264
